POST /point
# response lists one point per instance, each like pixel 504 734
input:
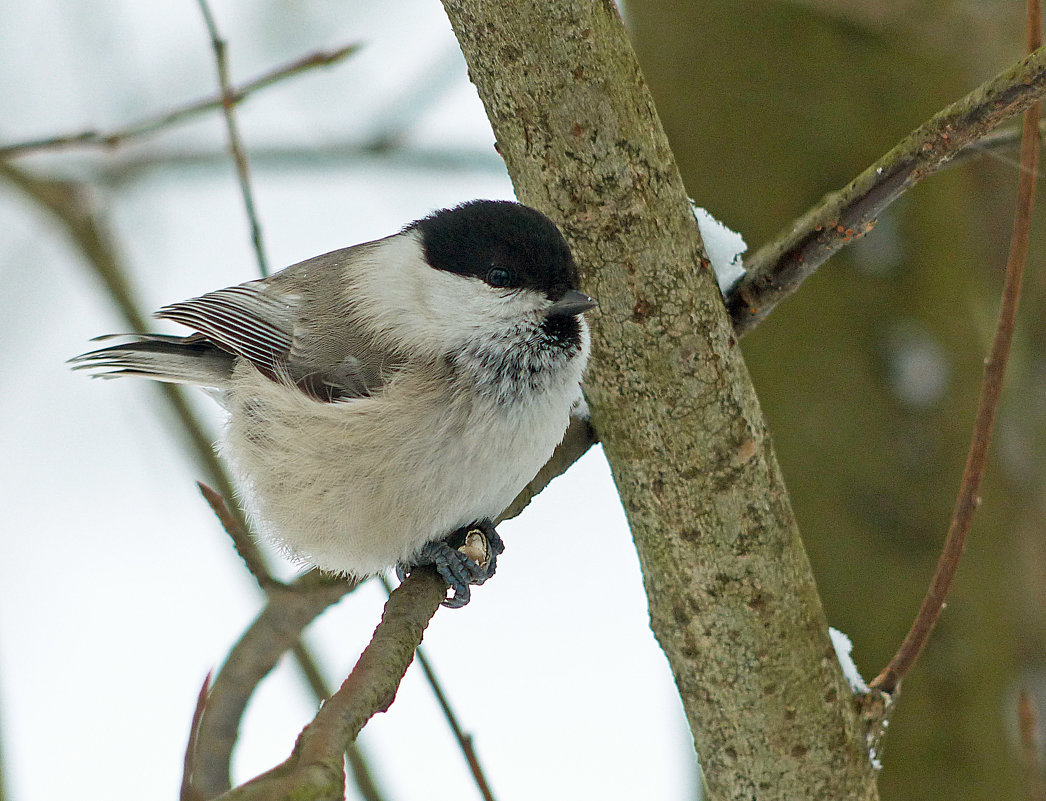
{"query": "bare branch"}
pixel 126 167
pixel 464 740
pixel 987 405
pixel 993 144
pixel 361 773
pixel 158 122
pixel 777 269
pixel 276 630
pixel 314 769
pixel 236 148
pixel 241 538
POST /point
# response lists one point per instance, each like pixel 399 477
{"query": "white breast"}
pixel 357 487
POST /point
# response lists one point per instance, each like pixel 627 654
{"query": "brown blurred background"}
pixel 869 375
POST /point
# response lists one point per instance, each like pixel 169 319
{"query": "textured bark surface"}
pixel 732 598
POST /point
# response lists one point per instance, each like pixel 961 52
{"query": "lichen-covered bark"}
pixel 732 598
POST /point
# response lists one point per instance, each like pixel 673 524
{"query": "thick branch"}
pixel 776 270
pixel 732 598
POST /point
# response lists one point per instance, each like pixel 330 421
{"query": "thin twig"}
pixel 236 148
pixel 777 269
pixel 464 740
pixel 158 122
pixel 991 389
pixel 188 792
pixel 1031 748
pixel 993 143
pixel 361 773
pixel 241 538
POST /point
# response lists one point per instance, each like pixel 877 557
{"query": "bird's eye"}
pixel 499 276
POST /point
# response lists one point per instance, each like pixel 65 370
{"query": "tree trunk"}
pixel 732 597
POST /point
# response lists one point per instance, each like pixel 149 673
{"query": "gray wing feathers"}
pixel 176 360
pixel 327 349
pixel 251 320
pixel 295 325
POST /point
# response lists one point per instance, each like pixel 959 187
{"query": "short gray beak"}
pixel 572 302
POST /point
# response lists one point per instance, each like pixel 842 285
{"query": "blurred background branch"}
pixel 275 631
pixel 158 122
pixel 1032 761
pixel 236 148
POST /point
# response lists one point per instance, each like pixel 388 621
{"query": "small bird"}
pixel 386 402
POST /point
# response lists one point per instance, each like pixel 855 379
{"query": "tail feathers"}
pixel 176 360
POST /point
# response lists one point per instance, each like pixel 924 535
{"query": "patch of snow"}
pixel 843 647
pixel 724 248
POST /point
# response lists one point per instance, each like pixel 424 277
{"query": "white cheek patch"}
pixel 412 307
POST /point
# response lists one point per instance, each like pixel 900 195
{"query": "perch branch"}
pixel 286 616
pixel 314 768
pixel 276 630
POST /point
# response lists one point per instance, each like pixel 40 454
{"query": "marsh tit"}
pixel 387 401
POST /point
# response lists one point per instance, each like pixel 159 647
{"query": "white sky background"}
pixel 118 589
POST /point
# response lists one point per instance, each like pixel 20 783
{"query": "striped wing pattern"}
pixel 249 320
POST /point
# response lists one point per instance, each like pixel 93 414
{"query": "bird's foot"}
pixel 465 557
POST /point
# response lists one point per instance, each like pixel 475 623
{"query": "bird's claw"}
pixel 466 557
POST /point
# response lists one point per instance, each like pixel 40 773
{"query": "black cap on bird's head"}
pixel 507 245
